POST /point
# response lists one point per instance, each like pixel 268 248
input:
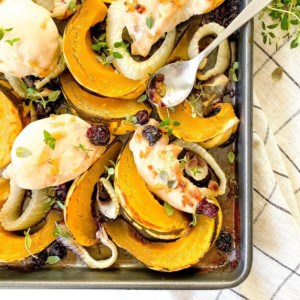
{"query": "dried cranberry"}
pixel 98 135
pixel 35 262
pixel 140 8
pixel 224 241
pixel 103 195
pixel 62 191
pixel 207 208
pixel 152 134
pixel 57 249
pixel 142 117
pixel 43 112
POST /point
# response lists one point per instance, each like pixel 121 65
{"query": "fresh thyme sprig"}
pixel 285 14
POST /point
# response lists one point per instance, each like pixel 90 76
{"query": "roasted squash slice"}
pixel 77 212
pixel 202 128
pixel 167 256
pixel 10 127
pixel 141 207
pixel 111 112
pixel 81 59
pixel 12 245
pixel 4 189
pixel 219 139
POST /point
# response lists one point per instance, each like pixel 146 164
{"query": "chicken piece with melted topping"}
pixel 147 21
pixel 159 166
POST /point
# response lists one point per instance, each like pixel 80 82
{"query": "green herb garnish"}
pixel 142 98
pixel 131 119
pixel 83 148
pixel 36 96
pixel 3 31
pixel 23 152
pixel 72 5
pixel 58 231
pixel 150 21
pixel 232 71
pixel 28 242
pixel 194 222
pixel 164 176
pixel 52 259
pixel 168 209
pixel 49 140
pixel 110 170
pixel 166 123
pixel 286 15
pixel 231 157
pixel 11 42
pixel 171 184
pixel 121 45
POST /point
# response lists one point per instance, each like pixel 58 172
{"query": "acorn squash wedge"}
pixel 77 212
pixel 167 256
pixel 10 127
pixel 140 206
pixel 95 109
pixel 12 245
pixel 4 189
pixel 203 128
pixel 81 59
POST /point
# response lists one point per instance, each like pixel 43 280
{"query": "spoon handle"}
pixel 254 7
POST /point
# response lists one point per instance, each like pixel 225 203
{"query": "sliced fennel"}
pixel 70 243
pixel 13 219
pixel 210 161
pixel 127 65
pixel 223 56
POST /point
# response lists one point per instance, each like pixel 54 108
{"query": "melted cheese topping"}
pixel 44 167
pixel 164 16
pixel 159 167
pixel 37 50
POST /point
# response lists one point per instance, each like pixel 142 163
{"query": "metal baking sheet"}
pixel 128 273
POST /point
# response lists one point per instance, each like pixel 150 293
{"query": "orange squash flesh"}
pixel 12 246
pixel 199 129
pixel 81 59
pixel 141 206
pixel 99 110
pixel 10 127
pixel 77 213
pixel 4 189
pixel 165 256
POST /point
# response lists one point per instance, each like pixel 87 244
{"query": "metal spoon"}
pixel 179 77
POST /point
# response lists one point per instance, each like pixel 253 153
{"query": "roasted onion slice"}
pixel 223 56
pixel 70 243
pixel 127 65
pixel 110 207
pixel 10 217
pixel 210 161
